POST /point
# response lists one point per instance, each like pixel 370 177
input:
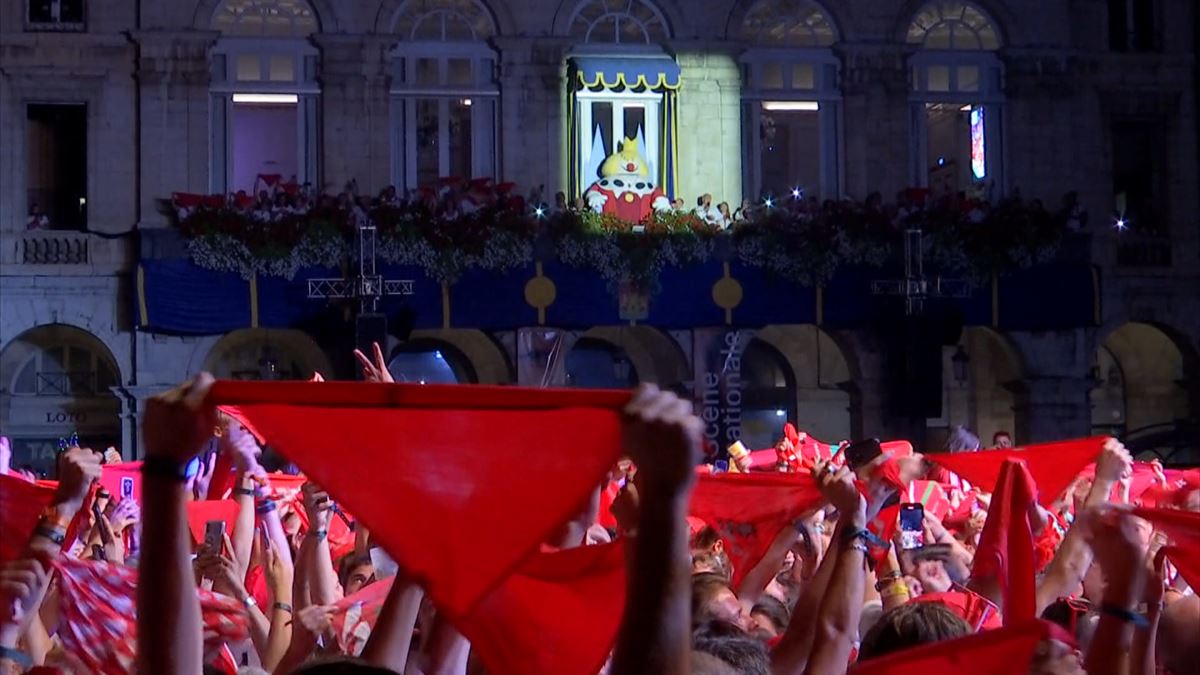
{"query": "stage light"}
pixel 796 192
pixel 1121 225
pixel 769 202
pixel 539 212
pixel 266 98
pixel 438 355
pixel 780 413
pixel 466 102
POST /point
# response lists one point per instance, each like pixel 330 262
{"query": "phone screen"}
pixel 126 487
pixel 721 466
pixel 912 526
pixel 214 535
pixel 193 467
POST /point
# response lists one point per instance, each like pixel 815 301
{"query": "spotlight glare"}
pixel 1121 225
pixel 769 202
pixel 539 212
pixel 796 193
pixel 779 413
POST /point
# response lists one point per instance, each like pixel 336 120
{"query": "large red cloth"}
pixel 199 514
pixel 749 510
pixel 21 505
pixel 1005 651
pixel 1006 545
pixel 354 616
pixel 1054 466
pixel 457 483
pixel 557 613
pixel 1183 527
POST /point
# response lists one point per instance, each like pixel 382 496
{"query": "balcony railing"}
pixel 53 248
pixel 1143 251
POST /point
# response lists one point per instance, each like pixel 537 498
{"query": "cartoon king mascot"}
pixel 625 188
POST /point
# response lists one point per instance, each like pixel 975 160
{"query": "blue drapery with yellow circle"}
pixel 658 74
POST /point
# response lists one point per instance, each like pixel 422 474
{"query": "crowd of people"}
pixel 215 555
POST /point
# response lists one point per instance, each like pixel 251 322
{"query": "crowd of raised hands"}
pixel 827 597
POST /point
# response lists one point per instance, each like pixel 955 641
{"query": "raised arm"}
pixel 174 427
pixel 841 606
pixel 392 635
pixel 1118 550
pixel 663 438
pixel 1074 556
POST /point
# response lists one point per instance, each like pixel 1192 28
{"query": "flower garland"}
pixel 798 246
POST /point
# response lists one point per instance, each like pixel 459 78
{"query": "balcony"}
pixel 57 252
pixel 1142 251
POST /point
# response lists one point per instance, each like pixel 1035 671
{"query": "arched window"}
pixel 957 83
pixel 787 23
pixel 265 18
pixel 627 22
pixel 264 91
pixel 952 25
pixel 56 380
pixel 791 100
pixel 595 363
pixel 430 362
pixel 266 354
pixel 769 394
pixel 444 92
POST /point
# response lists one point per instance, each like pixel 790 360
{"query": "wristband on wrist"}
pixel 887 580
pixel 156 466
pixel 23 660
pixel 866 536
pixel 54 534
pixel 319 535
pixel 283 607
pixel 1125 615
pixel 53 519
pixel 265 507
pixel 248 492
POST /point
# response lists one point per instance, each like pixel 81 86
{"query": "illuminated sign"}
pixel 978 145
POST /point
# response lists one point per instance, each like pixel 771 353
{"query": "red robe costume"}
pixel 627 196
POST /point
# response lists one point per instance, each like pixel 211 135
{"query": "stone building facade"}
pixel 136 101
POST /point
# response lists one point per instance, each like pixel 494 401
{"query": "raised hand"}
pixel 178 422
pixel 77 468
pixel 5 455
pixel 375 368
pixel 21 582
pixel 837 486
pixel 662 436
pixel 1114 462
pixel 242 446
pixel 317 505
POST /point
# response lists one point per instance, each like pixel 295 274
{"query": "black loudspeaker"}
pixel 402 322
pixel 369 329
pixel 913 372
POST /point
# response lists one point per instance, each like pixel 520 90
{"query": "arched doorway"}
pixel 266 354
pixel 596 363
pixel 979 376
pixel 430 362
pixel 57 380
pixel 1145 378
pixel 769 394
pixel 816 373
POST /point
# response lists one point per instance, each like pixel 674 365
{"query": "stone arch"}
pixel 823 378
pixel 1159 373
pixel 326 18
pixel 267 353
pixel 1001 19
pixel 987 401
pixel 805 20
pixel 57 379
pixel 570 14
pixel 486 359
pixel 655 357
pixel 498 14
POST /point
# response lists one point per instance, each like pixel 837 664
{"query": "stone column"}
pixel 875 120
pixel 355 143
pixel 1052 408
pixel 133 404
pixel 710 127
pixel 533 109
pixel 173 117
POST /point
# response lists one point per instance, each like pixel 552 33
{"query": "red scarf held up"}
pixel 559 612
pixel 21 505
pixel 440 473
pixel 200 513
pixel 1004 651
pixel 749 510
pixel 1006 546
pixel 975 609
pixel 1053 466
pixel 1183 527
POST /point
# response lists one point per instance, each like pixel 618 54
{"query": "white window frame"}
pixel 404 94
pixel 649 101
pixel 824 92
pixel 225 85
pixel 989 95
pixel 587 35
